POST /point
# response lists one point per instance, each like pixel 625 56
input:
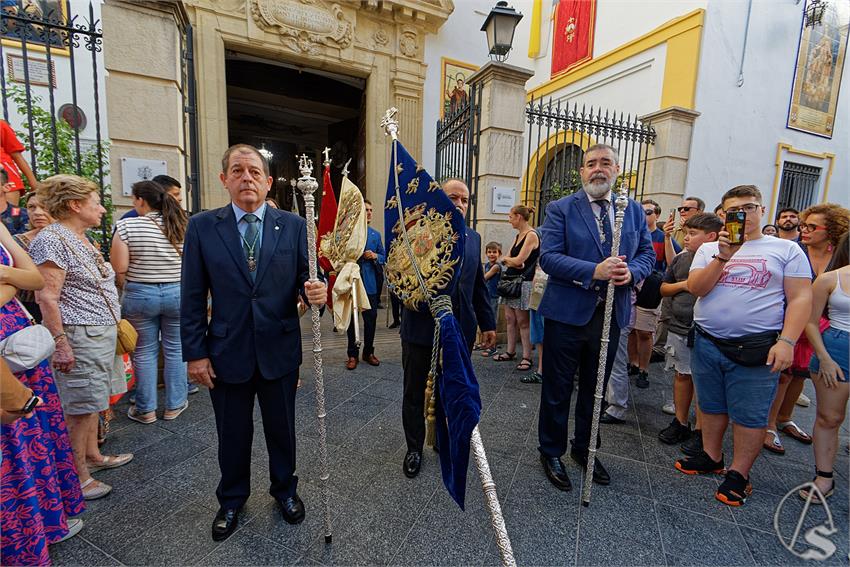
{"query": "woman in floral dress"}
pixel 39 488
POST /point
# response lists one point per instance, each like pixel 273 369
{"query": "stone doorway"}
pixel 289 110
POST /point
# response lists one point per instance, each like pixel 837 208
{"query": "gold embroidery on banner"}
pixel 399 169
pixel 432 240
pixel 412 186
pixel 570 30
pixel 334 243
pixel 392 203
pixel 433 186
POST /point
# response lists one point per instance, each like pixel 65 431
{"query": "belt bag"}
pixel 749 350
pixel 27 348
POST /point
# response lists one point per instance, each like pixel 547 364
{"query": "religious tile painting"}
pixel 817 78
pixel 453 85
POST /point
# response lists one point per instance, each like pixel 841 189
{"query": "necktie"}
pixel 604 222
pixel 250 243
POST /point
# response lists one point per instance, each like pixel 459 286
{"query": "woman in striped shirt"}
pixel 146 254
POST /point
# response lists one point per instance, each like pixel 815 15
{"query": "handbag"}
pixel 126 333
pixel 510 287
pixel 28 347
pixel 748 350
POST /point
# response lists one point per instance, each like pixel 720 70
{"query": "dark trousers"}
pixel 233 405
pixel 569 348
pixel 370 319
pixel 416 361
pixel 396 303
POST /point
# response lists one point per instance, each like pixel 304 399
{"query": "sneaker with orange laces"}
pixel 700 464
pixel 733 491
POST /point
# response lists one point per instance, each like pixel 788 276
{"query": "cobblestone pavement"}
pixel 163 502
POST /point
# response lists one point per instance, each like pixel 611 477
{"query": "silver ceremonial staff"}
pixel 390 125
pixel 308 185
pixel 621 202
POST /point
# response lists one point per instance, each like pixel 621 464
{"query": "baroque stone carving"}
pixel 304 25
pixel 407 43
pixel 380 37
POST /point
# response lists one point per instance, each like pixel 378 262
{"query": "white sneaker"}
pixel 669 408
pixel 803 401
pixel 74 527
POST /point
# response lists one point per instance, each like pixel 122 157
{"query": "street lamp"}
pixel 814 12
pixel 500 25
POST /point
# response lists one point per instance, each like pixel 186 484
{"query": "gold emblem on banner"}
pixel 570 30
pixel 432 240
pixel 334 243
pixel 413 186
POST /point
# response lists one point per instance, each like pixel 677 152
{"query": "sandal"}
pixel 110 462
pixel 504 356
pixel 776 445
pixel 791 429
pixel 96 489
pixel 524 365
pixel 533 378
pixel 816 497
pixel 734 489
pixel 488 352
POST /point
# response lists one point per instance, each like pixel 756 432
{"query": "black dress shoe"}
pixel 556 473
pixel 225 523
pixel 292 509
pixel 412 463
pixel 600 475
pixel 610 419
pixel 394 325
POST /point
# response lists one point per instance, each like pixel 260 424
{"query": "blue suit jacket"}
pixel 470 302
pixel 254 325
pixel 570 249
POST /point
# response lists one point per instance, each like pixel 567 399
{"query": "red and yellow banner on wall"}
pixel 572 41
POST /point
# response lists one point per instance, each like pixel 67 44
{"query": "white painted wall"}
pixel 62 94
pixel 736 136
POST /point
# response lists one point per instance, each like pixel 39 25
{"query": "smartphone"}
pixel 735 226
pixel 30 405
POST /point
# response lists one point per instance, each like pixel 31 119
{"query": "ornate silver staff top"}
pixel 389 123
pixel 345 168
pixel 327 152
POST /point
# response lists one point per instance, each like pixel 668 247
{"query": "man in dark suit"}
pixel 575 251
pixel 251 261
pixel 471 306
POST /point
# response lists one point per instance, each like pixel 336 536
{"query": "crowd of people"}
pixel 742 323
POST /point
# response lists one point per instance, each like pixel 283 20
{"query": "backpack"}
pixel 649 296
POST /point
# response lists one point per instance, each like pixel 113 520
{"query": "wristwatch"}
pixel 716 257
pixel 786 340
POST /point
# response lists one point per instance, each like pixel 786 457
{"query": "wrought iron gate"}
pixel 52 50
pixel 458 136
pixel 190 127
pixel 556 136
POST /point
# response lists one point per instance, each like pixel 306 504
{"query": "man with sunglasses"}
pixel 753 300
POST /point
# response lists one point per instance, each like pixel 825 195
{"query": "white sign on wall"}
pixel 134 169
pixel 503 199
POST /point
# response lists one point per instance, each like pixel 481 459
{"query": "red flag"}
pixel 572 38
pixel 327 219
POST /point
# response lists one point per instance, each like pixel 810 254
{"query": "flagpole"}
pixel 308 185
pixel 491 498
pixel 621 202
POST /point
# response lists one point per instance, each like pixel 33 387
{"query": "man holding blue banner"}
pixel 471 304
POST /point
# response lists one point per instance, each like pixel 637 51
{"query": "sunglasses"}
pixel 649 211
pixel 686 209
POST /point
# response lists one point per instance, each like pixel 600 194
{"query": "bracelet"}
pixel 786 340
pixel 59 336
pixel 716 257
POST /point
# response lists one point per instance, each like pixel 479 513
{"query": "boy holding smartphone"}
pixel 699 229
pixel 753 301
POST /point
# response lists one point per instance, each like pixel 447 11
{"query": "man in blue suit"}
pixel 471 306
pixel 371 264
pixel 575 251
pixel 251 261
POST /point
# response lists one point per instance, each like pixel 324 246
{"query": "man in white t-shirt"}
pixel 755 295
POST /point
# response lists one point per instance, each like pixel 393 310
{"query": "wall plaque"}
pixel 134 169
pixel 39 72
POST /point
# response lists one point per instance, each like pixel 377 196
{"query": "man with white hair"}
pixel 576 251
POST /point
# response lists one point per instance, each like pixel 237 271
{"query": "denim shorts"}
pixel 744 393
pixel 837 344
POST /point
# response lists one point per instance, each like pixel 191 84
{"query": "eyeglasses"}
pixel 649 211
pixel 749 208
pixel 808 227
pixel 685 209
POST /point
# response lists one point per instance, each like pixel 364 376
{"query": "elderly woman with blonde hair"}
pixel 79 304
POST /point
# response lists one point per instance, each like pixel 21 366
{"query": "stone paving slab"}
pixel 163 502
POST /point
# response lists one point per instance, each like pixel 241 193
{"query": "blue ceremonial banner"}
pixel 424 257
pixel 435 230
